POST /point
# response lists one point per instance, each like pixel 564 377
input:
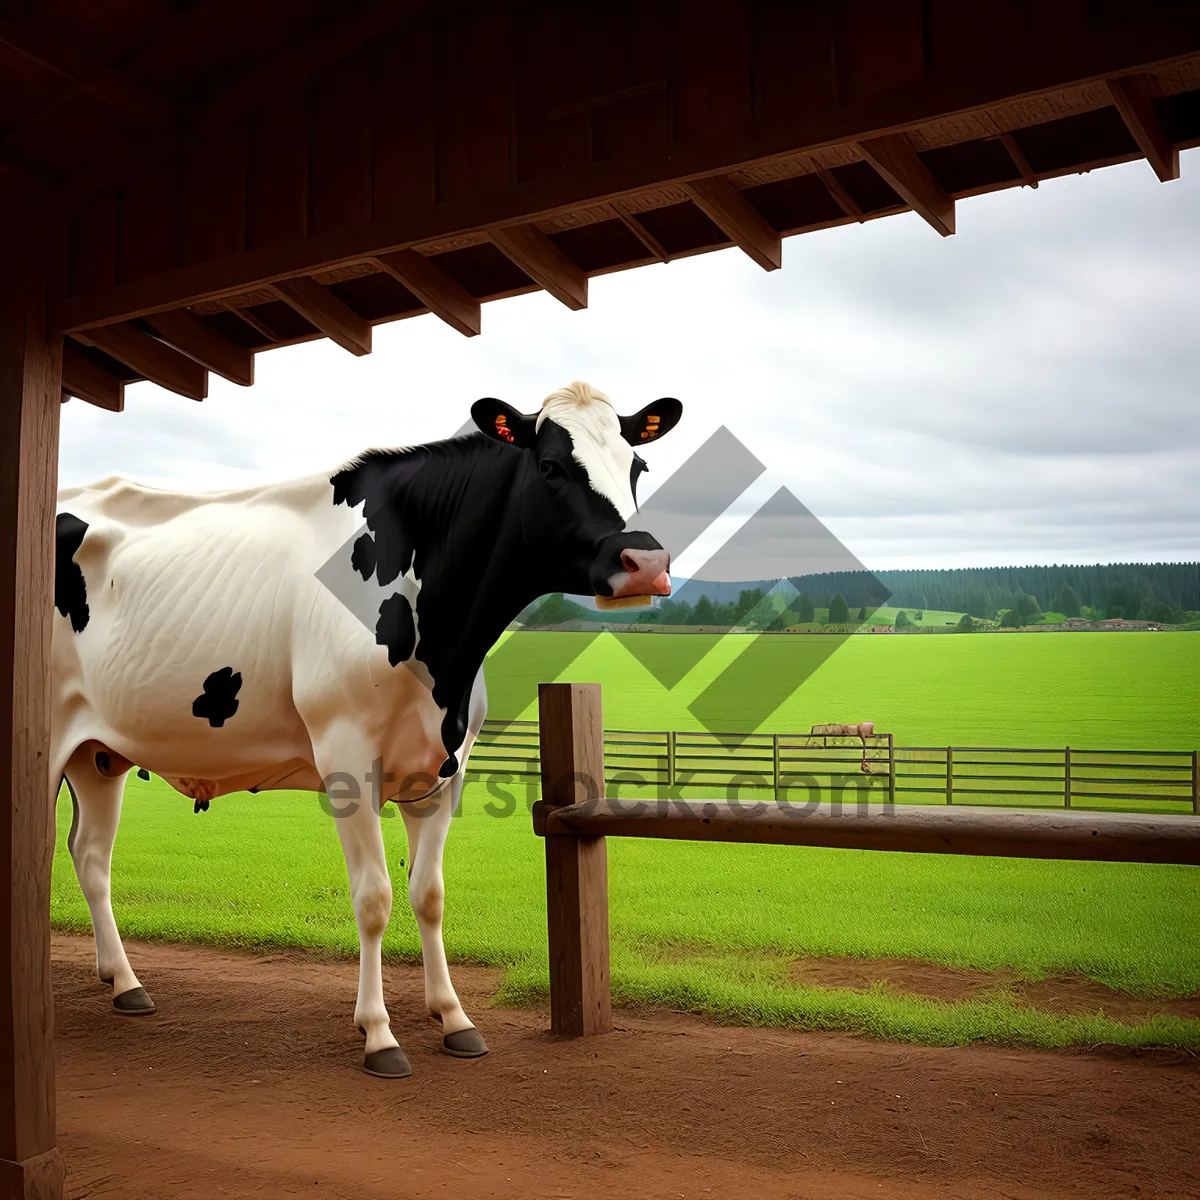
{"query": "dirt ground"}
pixel 245 1083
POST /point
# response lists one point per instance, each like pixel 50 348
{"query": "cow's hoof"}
pixel 465 1043
pixel 389 1063
pixel 134 1003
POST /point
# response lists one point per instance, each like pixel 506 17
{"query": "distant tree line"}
pixel 1133 591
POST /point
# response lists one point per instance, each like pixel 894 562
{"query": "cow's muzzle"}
pixel 631 564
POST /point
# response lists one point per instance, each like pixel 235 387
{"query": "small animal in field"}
pixel 862 731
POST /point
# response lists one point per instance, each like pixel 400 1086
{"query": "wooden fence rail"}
pixel 574 817
pixel 786 764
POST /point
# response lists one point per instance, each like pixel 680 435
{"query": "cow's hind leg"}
pixel 428 822
pixel 96 799
pixel 343 755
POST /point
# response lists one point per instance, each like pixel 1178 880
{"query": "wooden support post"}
pixel 670 758
pixel 891 769
pixel 572 755
pixel 775 764
pixel 949 774
pixel 30 381
pixel 1196 781
pixel 1067 777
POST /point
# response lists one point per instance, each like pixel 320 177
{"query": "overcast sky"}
pixel 1026 391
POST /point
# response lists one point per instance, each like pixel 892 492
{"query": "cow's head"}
pixel 577 485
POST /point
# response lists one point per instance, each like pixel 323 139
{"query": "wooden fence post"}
pixel 1067 777
pixel 891 769
pixel 949 774
pixel 572 758
pixel 671 758
pixel 775 763
pixel 1196 781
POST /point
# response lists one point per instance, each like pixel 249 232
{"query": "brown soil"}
pixel 1073 995
pixel 245 1083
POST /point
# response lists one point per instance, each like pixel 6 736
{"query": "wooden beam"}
pixel 151 358
pixel 1131 94
pixel 439 291
pixel 1010 143
pixel 544 263
pixel 643 235
pixel 841 197
pixel 323 309
pixel 894 158
pixel 186 332
pixel 30 1163
pixel 85 380
pixel 45 47
pixel 913 828
pixel 572 766
pixel 738 219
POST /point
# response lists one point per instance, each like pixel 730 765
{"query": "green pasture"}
pixel 715 928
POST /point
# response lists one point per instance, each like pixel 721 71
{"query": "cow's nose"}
pixel 643 573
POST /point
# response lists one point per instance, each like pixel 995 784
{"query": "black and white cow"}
pixel 328 634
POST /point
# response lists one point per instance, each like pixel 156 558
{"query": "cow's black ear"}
pixel 652 422
pixel 503 423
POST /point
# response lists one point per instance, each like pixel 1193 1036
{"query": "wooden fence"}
pixel 576 815
pixel 787 764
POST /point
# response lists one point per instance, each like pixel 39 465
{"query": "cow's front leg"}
pixel 357 824
pixel 427 823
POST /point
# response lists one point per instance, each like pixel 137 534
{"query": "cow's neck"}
pixel 450 514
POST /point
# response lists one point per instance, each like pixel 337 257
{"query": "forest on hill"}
pixel 1164 592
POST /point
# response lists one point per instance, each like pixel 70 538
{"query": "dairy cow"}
pixel 328 634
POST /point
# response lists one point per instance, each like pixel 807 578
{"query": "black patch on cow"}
pixel 448 768
pixel 143 774
pixel 395 628
pixel 103 762
pixel 219 701
pixel 362 557
pixel 70 590
pixel 200 806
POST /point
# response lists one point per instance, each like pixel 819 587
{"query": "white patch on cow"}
pixel 590 419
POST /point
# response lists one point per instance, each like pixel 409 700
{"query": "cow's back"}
pixel 178 643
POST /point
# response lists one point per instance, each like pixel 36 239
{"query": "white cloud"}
pixel 1026 391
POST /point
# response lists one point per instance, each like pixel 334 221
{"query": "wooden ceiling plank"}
pixel 189 334
pixel 148 356
pixel 319 306
pixel 439 291
pixel 738 219
pixel 331 42
pixel 1133 99
pixel 84 379
pixel 841 197
pixel 544 263
pixel 899 165
pixel 36 42
pixel 1015 152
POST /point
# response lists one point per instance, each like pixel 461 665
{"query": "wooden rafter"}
pixel 40 44
pixel 899 165
pixel 544 263
pixel 1010 143
pixel 186 332
pixel 151 358
pixel 841 197
pixel 84 379
pixel 440 292
pixel 319 306
pixel 643 235
pixel 738 219
pixel 1134 101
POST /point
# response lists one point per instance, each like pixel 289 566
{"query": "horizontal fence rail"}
pixel 860 770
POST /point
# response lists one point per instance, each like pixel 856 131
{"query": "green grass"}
pixel 931 618
pixel 714 928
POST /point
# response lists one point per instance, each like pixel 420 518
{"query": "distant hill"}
pixel 1166 592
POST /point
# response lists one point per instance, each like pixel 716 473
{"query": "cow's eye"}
pixel 551 469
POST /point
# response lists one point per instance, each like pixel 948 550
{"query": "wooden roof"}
pixel 218 177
